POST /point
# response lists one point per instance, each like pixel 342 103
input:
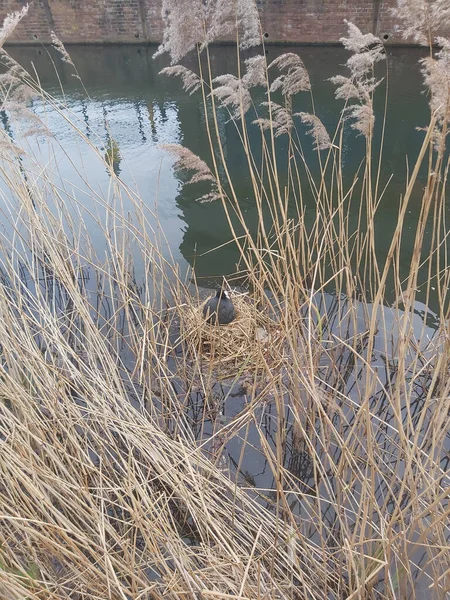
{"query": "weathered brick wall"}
pixel 104 20
pixel 99 21
pixel 313 20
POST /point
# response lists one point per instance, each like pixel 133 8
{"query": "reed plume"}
pixel 10 22
pixel 192 23
pixel 367 50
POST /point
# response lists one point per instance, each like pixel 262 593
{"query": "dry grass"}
pixel 118 476
pixel 250 336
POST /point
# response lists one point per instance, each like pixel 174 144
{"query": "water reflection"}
pixel 133 109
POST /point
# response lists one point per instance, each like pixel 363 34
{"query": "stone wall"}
pixel 108 21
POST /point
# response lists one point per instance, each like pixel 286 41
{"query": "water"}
pixel 127 100
pixel 130 101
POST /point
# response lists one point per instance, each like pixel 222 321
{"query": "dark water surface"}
pixel 141 109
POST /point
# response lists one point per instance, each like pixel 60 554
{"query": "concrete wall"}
pixel 102 21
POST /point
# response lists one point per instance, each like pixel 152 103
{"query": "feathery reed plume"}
pixel 317 130
pixel 367 50
pixel 10 23
pixel 295 79
pixel 191 23
pixel 281 122
pixel 189 161
pixel 359 42
pixel 248 19
pixel 422 19
pixel 416 17
pixel 186 160
pixel 233 94
pixel 436 72
pixel 231 91
pixel 183 28
pixel 58 45
pixel 255 71
pixel 364 118
pixel 191 81
pixel 222 17
pixel 65 56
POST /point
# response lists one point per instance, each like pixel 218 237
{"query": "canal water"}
pixel 123 98
pixel 127 100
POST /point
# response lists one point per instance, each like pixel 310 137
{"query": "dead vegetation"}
pixel 117 478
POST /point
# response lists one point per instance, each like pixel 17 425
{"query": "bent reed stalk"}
pixel 116 480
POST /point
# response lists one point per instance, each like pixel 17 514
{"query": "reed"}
pixel 116 480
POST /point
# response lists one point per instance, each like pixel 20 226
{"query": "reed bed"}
pixel 119 472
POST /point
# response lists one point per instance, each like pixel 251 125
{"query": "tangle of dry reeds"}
pixel 116 481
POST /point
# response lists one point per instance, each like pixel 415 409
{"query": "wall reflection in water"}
pixel 129 109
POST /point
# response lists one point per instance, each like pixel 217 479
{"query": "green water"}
pixel 142 109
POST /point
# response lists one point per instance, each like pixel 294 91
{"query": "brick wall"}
pixel 313 20
pixel 100 21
